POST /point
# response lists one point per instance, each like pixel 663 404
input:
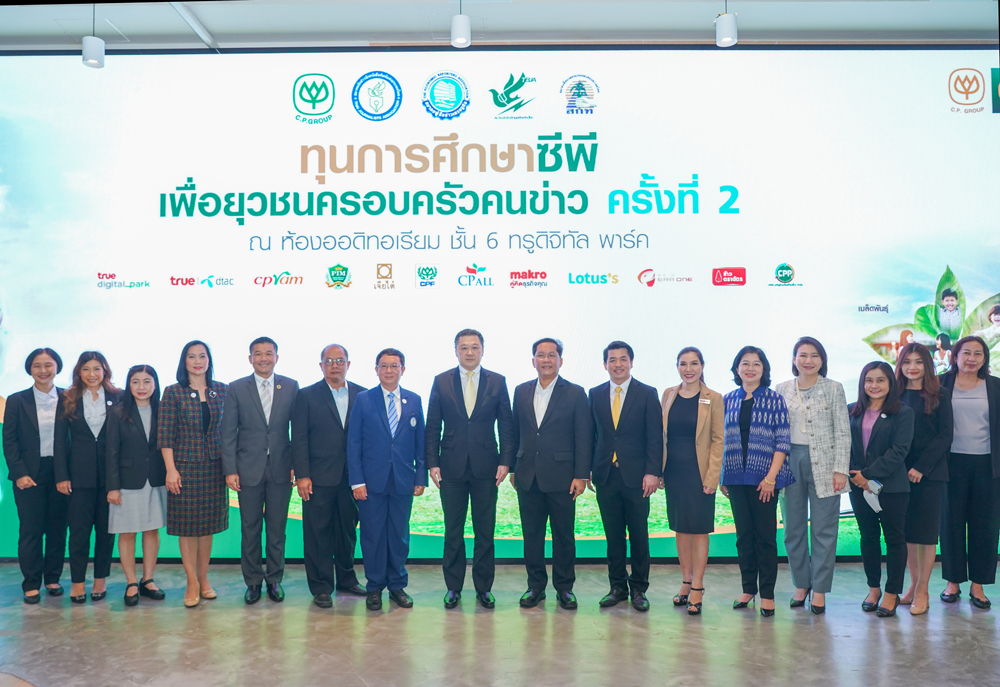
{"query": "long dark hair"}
pixel 701 358
pixel 809 341
pixel 932 385
pixel 73 394
pixel 129 402
pixel 182 371
pixel 984 371
pixel 891 404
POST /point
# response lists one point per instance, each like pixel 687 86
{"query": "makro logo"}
pixel 282 279
pixel 108 280
pixel 472 277
pixel 313 96
pixel 211 281
pixel 729 276
pixel 427 276
pixel 608 278
pixel 182 281
pixel 527 279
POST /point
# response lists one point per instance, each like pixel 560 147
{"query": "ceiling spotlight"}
pixel 725 29
pixel 461 29
pixel 93 47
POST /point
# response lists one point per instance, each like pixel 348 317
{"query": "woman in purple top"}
pixel 881 433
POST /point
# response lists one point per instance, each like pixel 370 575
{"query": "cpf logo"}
pixel 313 95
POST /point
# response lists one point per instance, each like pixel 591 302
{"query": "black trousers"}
pixel 756 538
pixel 455 497
pixel 42 514
pixel 970 520
pixel 88 511
pixel 264 510
pixel 624 507
pixel 889 523
pixel 329 538
pixel 559 510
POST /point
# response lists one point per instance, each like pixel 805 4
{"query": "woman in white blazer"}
pixel 820 460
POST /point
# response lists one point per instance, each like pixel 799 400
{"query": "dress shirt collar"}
pixel 43 397
pixel 624 385
pixel 464 374
pixel 337 392
pixel 260 380
pixel 385 393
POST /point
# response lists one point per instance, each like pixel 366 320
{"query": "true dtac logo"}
pixel 472 277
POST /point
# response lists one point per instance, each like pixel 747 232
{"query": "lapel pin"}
pixel 884 416
pixel 413 422
pixel 194 394
pixel 212 393
pixel 109 402
pixel 278 387
pixel 404 400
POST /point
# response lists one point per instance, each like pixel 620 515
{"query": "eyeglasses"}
pixel 389 366
pixel 330 362
pixel 547 356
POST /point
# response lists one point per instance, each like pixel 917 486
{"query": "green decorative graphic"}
pixel 375 96
pixel 313 94
pixel 427 273
pixel 507 98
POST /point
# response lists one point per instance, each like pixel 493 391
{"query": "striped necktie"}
pixel 393 417
pixel 265 399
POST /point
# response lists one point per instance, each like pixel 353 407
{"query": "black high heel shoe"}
pixel 799 603
pixel 737 605
pixel 767 612
pixel 695 609
pixel 682 599
pixel 817 610
pixel 869 607
pixel 134 599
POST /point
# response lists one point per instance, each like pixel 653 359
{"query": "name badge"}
pixel 413 422
pixel 706 401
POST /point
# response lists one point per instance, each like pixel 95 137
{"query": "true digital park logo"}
pixel 313 96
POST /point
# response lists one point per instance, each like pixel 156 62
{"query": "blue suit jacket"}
pixel 371 449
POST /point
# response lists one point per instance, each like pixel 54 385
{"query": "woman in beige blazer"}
pixel 693 441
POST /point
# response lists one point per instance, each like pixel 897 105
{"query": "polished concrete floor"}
pixel 223 642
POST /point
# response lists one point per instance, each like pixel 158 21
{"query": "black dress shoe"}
pixel 883 612
pixel 323 601
pixel 253 594
pixel 402 599
pixel 567 600
pixel 55 591
pixel 531 598
pixel 613 598
pixel 452 598
pixel 32 600
pixel 98 596
pixel 869 607
pixel 374 601
pixel 155 594
pixel 639 601
pixel 134 599
pixel 486 599
pixel 951 598
pixel 983 603
pixel 82 599
pixel 353 590
pixel 275 592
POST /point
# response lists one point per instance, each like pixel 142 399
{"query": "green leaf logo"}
pixel 313 94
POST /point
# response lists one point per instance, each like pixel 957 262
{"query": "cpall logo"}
pixel 509 100
pixel 338 277
pixel 784 274
pixel 312 96
pixel 283 279
pixel 377 96
pixel 528 278
pixel 446 95
pixel 729 276
pixel 580 92
pixel 587 278
pixel 427 276
pixel 383 277
pixel 472 277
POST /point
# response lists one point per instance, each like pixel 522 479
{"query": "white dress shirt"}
pixel 624 386
pixel 541 400
pixel 94 411
pixel 342 398
pixel 399 412
pixel 45 409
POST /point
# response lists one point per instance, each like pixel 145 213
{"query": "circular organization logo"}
pixel 377 96
pixel 446 95
pixel 313 94
pixel 647 277
pixel 785 273
pixel 580 92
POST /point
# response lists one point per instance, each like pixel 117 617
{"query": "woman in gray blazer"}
pixel 820 459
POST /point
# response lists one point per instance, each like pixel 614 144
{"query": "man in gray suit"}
pixel 257 461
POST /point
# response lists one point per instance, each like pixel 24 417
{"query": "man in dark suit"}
pixel 628 454
pixel 555 433
pixel 319 456
pixel 387 468
pixel 257 462
pixel 464 461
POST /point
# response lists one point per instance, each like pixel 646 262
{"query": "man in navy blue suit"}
pixel 386 465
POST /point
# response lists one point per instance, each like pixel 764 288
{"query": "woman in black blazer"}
pixel 970 520
pixel 28 444
pixel 136 479
pixel 881 433
pixel 79 466
pixel 927 466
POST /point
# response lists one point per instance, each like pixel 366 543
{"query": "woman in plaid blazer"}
pixel 188 434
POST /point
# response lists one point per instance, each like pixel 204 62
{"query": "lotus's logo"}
pixel 508 98
pixel 966 86
pixel 313 94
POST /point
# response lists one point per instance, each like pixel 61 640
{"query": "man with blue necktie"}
pixel 386 465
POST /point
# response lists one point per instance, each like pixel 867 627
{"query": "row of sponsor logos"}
pixel 385 277
pixel 446 95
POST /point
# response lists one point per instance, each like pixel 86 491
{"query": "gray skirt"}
pixel 142 510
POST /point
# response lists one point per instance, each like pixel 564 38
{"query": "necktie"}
pixel 265 399
pixel 393 417
pixel 470 395
pixel 616 412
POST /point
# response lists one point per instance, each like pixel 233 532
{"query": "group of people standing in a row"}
pixel 919 453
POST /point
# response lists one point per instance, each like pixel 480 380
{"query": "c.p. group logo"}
pixel 377 96
pixel 313 96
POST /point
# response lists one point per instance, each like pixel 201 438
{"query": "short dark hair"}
pixel 765 379
pixel 182 373
pixel 37 352
pixel 984 371
pixel 547 339
pixel 469 332
pixel 701 359
pixel 949 293
pixel 891 404
pixel 390 352
pixel 128 402
pixel 615 345
pixel 323 352
pixel 263 340
pixel 809 341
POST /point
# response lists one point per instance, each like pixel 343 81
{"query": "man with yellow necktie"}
pixel 628 453
pixel 465 463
